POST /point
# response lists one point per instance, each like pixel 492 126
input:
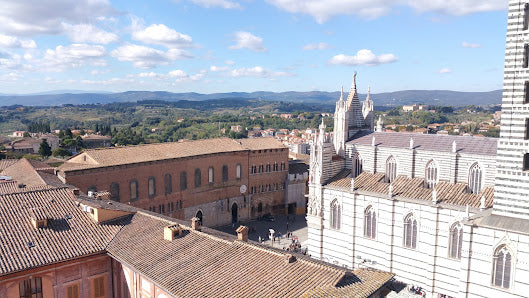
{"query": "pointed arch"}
pixel 502 267
pixel 335 214
pixel 475 178
pixel 391 169
pixel 431 175
pixel 455 241
pixel 410 231
pixel 357 165
pixel 370 222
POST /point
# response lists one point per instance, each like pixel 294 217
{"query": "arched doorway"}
pixel 234 214
pixel 260 208
pixel 199 216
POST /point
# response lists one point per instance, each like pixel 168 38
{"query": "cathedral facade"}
pixel 449 214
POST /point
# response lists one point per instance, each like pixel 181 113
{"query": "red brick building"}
pixel 218 180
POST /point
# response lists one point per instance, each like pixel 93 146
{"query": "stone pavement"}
pixel 296 224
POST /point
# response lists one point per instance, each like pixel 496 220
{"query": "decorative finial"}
pixel 454 147
pixel 411 143
pixel 390 190
pixel 352 184
pixel 341 95
pixel 434 196
pixel 482 203
pixel 354 80
pixel 373 141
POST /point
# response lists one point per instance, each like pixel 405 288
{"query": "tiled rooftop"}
pixel 143 153
pixel 413 188
pixel 429 142
pixel 32 173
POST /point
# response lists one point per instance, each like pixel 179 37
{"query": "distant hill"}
pixel 430 97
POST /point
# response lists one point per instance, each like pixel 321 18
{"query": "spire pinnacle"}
pixel 354 81
pixel 341 95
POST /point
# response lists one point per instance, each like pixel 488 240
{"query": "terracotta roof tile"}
pixel 413 188
pixel 261 143
pixel 5 163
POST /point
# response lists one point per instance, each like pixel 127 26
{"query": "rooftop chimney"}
pixel 195 224
pixel 242 233
pixel 289 258
pixel 172 232
pixel 76 191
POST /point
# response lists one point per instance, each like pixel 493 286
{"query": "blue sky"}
pixel 209 46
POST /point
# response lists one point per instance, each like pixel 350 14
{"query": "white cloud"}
pixel 160 34
pixel 15 42
pixel 444 70
pixel 324 10
pixel 316 46
pixel 229 62
pixel 12 76
pixel 470 45
pixel 258 72
pixel 217 3
pixel 29 17
pixel 175 76
pixel 112 81
pixel 88 33
pixel 145 57
pixel 218 68
pixel 247 40
pixel 74 55
pixel 363 57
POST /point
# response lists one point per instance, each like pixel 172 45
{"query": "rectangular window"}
pixel 224 173
pixel 525 56
pixel 526 16
pixel 133 190
pixel 183 181
pixel 72 291
pixel 99 287
pixel 152 187
pixel 211 178
pixel 526 162
pixel 238 171
pixel 30 288
pixel 526 92
pixel 526 137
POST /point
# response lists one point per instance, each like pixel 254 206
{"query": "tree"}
pixel 26 135
pixel 61 152
pixel 44 149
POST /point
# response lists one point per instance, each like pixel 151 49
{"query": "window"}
pixel 261 168
pixel 526 16
pixel 152 187
pixel 283 167
pixel 357 165
pixel 224 173
pixel 410 231
pixel 456 241
pixel 526 92
pixel 168 181
pixel 370 223
pixel 198 178
pixel 275 167
pixel 526 136
pixel 501 275
pixel 525 56
pixel 72 291
pixel 114 191
pixel 335 215
pixel 431 174
pixel 92 188
pixel 238 171
pixel 211 178
pixel 183 180
pixel 133 190
pixel 30 288
pixel 391 169
pixel 526 161
pixel 475 177
pixel 99 287
pixel 268 168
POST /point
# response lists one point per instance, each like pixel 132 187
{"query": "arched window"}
pixel 211 178
pixel 198 177
pixel 238 171
pixel 475 178
pixel 410 231
pixel 92 188
pixel 431 176
pixel 133 190
pixel 501 276
pixel 455 241
pixel 370 223
pixel 152 187
pixel 268 168
pixel 114 191
pixel 224 173
pixel 168 181
pixel 391 169
pixel 183 180
pixel 357 165
pixel 335 215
